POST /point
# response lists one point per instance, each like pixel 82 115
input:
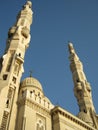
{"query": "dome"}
pixel 31 82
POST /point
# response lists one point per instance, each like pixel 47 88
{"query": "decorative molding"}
pixel 37 107
pixel 57 110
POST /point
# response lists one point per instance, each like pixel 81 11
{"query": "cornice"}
pixel 58 110
pixel 35 106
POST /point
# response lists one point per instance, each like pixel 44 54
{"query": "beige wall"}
pixel 63 120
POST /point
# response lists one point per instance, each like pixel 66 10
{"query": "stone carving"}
pixel 25 32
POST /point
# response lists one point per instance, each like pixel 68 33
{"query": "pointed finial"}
pixel 71 48
pixel 30 73
pixel 28 4
pixel 73 55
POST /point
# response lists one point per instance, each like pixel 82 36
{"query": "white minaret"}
pixel 11 66
pixel 82 89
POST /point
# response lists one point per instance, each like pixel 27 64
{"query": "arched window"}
pixel 40 125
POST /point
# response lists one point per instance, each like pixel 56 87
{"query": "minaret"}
pixel 11 66
pixel 82 89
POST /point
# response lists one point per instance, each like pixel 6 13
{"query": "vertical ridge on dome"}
pixel 31 81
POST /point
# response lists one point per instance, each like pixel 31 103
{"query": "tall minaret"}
pixel 11 66
pixel 82 89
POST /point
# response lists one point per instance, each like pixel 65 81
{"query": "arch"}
pixel 40 125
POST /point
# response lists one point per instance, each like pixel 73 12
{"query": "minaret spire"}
pixel 82 88
pixel 11 66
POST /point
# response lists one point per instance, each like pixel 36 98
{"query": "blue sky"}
pixel 55 22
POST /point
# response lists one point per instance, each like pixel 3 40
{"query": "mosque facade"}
pixel 23 104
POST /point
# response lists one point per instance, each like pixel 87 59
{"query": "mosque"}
pixel 23 105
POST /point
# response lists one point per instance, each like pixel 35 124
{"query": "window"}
pixel 20 54
pixel 9 97
pixel 7 103
pixel 4 121
pixel 14 80
pixel 40 125
pixel 16 69
pixel 10 61
pixel 31 92
pixel 5 76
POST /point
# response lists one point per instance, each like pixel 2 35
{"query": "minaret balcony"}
pixel 19 58
pixel 88 86
pixel 25 32
pixel 78 86
pixel 11 31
